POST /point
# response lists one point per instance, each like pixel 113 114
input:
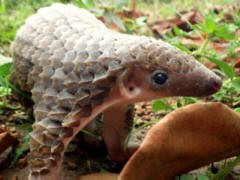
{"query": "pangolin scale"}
pixel 76 68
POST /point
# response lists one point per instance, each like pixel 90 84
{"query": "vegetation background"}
pixel 206 29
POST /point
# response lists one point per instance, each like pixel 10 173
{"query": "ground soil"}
pixel 81 156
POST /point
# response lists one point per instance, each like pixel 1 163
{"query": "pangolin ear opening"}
pixel 128 88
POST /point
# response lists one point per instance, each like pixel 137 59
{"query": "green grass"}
pixel 12 15
pixel 167 8
pixel 14 12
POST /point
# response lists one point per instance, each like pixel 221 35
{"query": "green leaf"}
pixel 179 32
pixel 20 150
pixel 85 4
pixel 20 92
pixel 226 31
pixel 236 83
pixel 88 3
pixel 88 164
pixel 158 105
pixel 224 67
pixel 89 133
pixel 5 69
pixel 181 47
pixel 5 91
pixel 189 100
pixel 237 110
pixel 232 45
pixel 118 21
pixel 209 25
pixel 4 60
pixel 5 65
pixel 107 17
pixel 148 123
pixel 202 177
pixel 141 21
pixel 218 71
pixel 2 7
pixel 197 27
pixel 227 169
pixel 186 177
pixel 118 4
pixel 130 25
pixel 80 4
pixel 102 170
pixel 26 127
pixel 2 104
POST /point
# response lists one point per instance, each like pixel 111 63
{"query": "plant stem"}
pixel 227 169
pixel 202 48
pixel 133 8
pixel 111 2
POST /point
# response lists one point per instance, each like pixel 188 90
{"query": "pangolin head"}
pixel 158 69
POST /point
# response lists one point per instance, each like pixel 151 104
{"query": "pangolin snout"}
pixel 213 85
pixel 200 82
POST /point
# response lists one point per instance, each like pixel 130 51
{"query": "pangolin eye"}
pixel 160 78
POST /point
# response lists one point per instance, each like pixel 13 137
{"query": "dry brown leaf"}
pixel 237 63
pixel 162 26
pixel 98 176
pixel 6 140
pixel 185 139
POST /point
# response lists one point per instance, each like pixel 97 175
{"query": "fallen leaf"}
pixel 162 26
pixel 185 139
pixel 99 176
pixel 6 140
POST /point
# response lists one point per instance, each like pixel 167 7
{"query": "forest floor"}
pixel 208 30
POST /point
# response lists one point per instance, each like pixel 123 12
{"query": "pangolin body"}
pixel 76 68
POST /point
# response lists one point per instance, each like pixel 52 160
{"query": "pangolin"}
pixel 76 68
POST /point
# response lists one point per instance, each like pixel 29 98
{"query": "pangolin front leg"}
pixel 113 126
pixel 118 122
pixel 48 141
pixel 56 125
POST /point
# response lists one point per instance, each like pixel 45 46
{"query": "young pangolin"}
pixel 76 68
